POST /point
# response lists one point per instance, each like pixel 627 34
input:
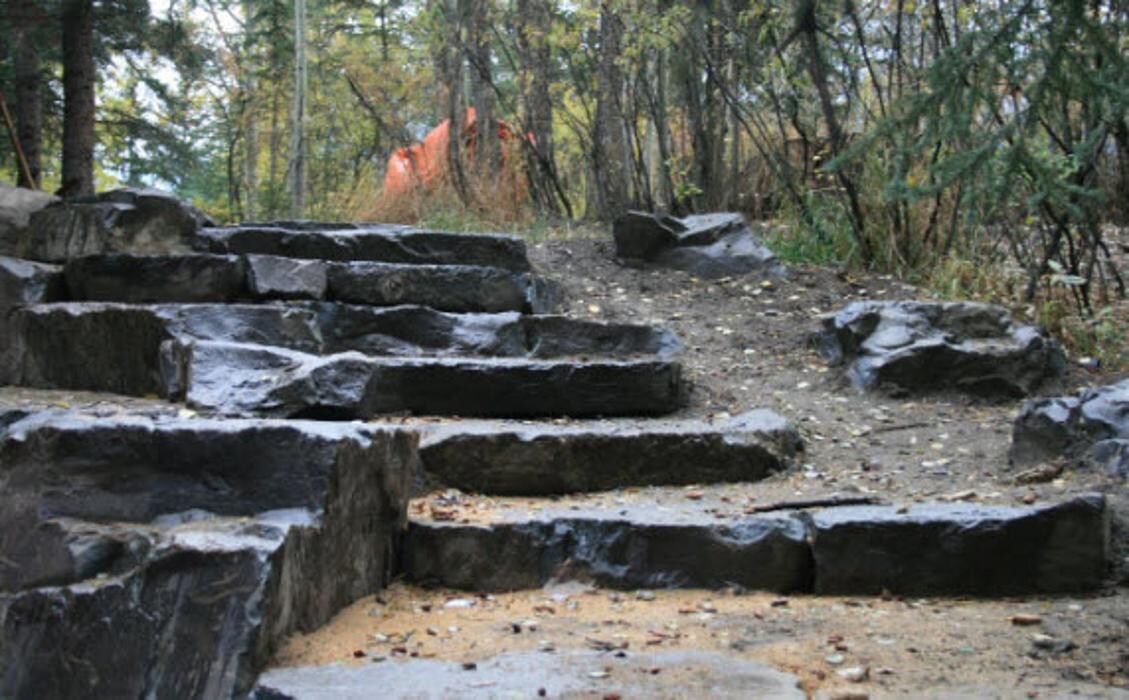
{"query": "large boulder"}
pixel 144 221
pixel 916 346
pixel 182 552
pixel 16 207
pixel 706 245
pixel 1090 426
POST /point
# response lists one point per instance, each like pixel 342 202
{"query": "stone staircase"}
pixel 169 552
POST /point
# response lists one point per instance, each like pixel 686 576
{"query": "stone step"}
pixel 511 458
pixel 377 242
pixel 228 278
pixel 544 365
pixel 568 674
pixel 240 379
pixel 920 549
pixel 181 552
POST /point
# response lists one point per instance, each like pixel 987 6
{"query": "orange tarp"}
pixel 424 164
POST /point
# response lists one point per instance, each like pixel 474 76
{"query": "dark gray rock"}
pixel 117 347
pixel 272 277
pixel 567 674
pixel 443 287
pixel 946 549
pixel 1084 427
pixel 418 330
pixel 558 336
pixel 97 347
pixel 641 235
pixel 24 282
pixel 649 550
pixel 239 379
pixel 138 221
pixel 182 553
pixel 519 459
pixel 376 242
pixel 144 279
pixel 706 245
pixel 16 207
pixel 1113 455
pixel 914 347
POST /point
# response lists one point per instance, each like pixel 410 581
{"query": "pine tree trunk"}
pixel 298 127
pixel 609 194
pixel 534 18
pixel 78 97
pixel 28 82
pixel 487 149
pixel 251 122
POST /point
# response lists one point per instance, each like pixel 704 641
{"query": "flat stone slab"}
pixel 181 552
pixel 199 278
pixel 626 548
pixel 645 541
pixel 916 346
pixel 950 549
pixel 507 458
pixel 423 331
pixel 685 674
pixel 377 242
pixel 239 379
pixel 1092 426
pixel 711 245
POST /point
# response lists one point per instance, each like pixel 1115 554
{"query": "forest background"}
pixel 981 148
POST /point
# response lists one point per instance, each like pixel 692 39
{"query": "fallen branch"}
pixel 833 502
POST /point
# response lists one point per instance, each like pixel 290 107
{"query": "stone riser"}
pixel 232 278
pixel 232 379
pixel 504 458
pixel 944 549
pixel 267 356
pixel 376 242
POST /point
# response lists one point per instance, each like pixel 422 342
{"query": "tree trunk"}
pixel 608 192
pixel 78 98
pixel 534 19
pixel 450 60
pixel 250 122
pixel 29 99
pixel 298 128
pixel 487 149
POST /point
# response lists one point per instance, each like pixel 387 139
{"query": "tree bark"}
pixel 609 193
pixel 78 98
pixel 298 127
pixel 251 122
pixel 487 148
pixel 28 83
pixel 534 18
